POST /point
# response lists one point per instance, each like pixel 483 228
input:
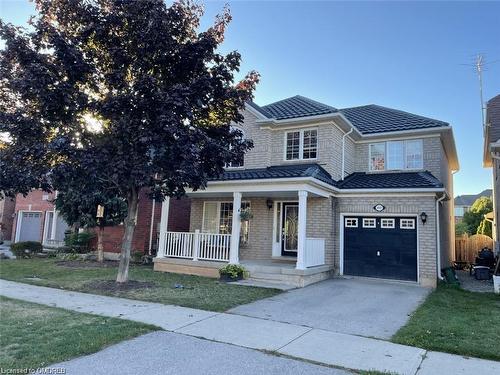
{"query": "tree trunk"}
pixel 100 247
pixel 132 202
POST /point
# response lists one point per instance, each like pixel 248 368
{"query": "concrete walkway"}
pixel 303 342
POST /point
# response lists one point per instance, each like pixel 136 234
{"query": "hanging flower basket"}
pixel 246 215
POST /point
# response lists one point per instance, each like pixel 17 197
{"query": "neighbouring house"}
pixel 491 158
pixel 362 191
pixel 6 218
pixel 36 220
pixel 463 203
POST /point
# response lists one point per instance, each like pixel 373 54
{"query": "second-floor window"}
pixel 396 155
pixel 301 144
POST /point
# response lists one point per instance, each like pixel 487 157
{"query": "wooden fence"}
pixel 467 247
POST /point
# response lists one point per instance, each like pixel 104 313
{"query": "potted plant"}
pixel 231 272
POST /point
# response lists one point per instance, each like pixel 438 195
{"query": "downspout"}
pixel 343 151
pixel 438 237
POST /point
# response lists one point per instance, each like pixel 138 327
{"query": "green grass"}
pixel 34 336
pixel 455 321
pixel 199 292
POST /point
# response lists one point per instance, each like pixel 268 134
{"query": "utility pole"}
pixel 479 68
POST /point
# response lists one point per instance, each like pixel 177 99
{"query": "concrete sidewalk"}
pixel 327 347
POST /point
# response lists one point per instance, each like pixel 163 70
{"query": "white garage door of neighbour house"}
pixel 29 226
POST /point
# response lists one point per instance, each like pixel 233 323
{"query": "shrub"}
pixel 79 242
pixel 137 256
pixel 232 272
pixel 25 249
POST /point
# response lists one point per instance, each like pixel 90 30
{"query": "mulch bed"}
pixel 113 286
pixel 86 264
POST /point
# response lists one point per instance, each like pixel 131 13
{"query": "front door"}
pixel 289 229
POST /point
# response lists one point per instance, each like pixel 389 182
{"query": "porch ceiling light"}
pixel 269 204
pixel 423 217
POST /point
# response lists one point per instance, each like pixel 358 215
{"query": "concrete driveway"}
pixel 365 307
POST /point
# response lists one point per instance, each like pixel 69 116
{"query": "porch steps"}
pixel 285 274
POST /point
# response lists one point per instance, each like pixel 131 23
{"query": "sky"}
pixel 413 56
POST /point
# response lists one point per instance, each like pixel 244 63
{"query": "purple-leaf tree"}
pixel 124 94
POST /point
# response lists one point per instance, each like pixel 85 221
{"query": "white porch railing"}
pixel 53 243
pixel 315 252
pixel 204 246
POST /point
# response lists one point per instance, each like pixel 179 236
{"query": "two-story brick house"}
pixel 361 191
pixel 36 219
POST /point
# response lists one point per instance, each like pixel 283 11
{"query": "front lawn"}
pixel 455 321
pixel 34 336
pixel 196 292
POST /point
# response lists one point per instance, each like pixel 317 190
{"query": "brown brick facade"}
pixel 40 201
pixel 7 209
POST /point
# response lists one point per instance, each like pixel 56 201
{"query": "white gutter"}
pixel 438 238
pixel 343 151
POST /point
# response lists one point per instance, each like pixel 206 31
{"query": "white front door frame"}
pixel 278 226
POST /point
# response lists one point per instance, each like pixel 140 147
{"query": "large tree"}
pixel 126 94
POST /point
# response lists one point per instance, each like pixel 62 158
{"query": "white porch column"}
pixel 165 205
pixel 234 257
pixel 53 229
pixel 301 240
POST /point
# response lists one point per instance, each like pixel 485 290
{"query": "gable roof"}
pixel 296 106
pixel 469 199
pixel 278 171
pixel 369 119
pixel 390 180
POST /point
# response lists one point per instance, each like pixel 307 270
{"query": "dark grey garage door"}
pixel 384 247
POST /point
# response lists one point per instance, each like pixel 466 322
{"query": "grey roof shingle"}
pixel 296 106
pixel 469 199
pixel 357 180
pixel 373 118
pixel 280 171
pixel 368 119
pixel 390 180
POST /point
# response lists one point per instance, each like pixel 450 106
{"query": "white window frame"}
pixel 351 222
pixel 420 141
pixel 370 165
pixel 228 165
pixel 219 204
pixel 301 144
pixel 369 222
pixel 403 223
pixel 387 223
pixel 405 155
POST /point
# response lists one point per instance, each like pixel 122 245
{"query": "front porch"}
pixel 282 241
pixel 268 272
